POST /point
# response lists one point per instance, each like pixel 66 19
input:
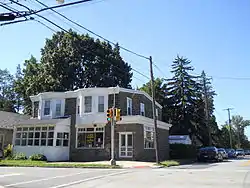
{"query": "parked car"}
pixel 231 153
pixel 209 153
pixel 247 152
pixel 223 152
pixel 240 152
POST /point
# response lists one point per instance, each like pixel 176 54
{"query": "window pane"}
pixel 88 104
pixel 17 142
pixel 19 129
pixel 130 140
pixel 81 140
pixel 30 135
pixel 50 142
pixel 58 142
pixel 90 139
pixel 18 135
pixel 101 104
pixel 58 108
pixel 37 134
pixel 43 142
pixel 44 135
pixel 31 129
pixel 30 142
pixel 59 135
pixel 99 140
pixel 66 136
pixel 44 128
pixel 25 129
pixel 90 129
pixel 51 128
pixel 51 135
pixel 24 135
pixel 36 143
pixel 65 143
pixel 38 128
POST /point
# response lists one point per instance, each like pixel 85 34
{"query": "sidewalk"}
pixel 123 164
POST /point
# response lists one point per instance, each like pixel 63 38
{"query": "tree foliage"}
pixel 71 61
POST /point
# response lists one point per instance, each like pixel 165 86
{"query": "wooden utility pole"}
pixel 230 126
pixel 154 110
pixel 206 109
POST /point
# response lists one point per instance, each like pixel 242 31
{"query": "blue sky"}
pixel 213 34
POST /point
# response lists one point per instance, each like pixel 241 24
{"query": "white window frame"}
pixel 142 109
pixel 27 130
pixel 58 102
pixel 96 130
pixel 101 103
pixel 152 131
pixel 44 107
pixel 65 137
pixel 129 101
pixel 91 106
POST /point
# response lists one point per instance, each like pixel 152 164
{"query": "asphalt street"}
pixel 232 174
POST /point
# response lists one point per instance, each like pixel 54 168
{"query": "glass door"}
pixel 126 145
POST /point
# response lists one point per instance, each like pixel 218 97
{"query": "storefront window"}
pixel 90 137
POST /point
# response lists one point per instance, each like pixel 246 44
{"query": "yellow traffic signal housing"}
pixel 109 114
pixel 118 114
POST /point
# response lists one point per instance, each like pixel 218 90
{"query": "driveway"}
pixel 232 174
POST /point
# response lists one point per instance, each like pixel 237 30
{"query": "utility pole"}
pixel 154 110
pixel 230 126
pixel 206 108
pixel 112 161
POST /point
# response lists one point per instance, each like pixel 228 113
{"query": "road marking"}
pixel 7 175
pixel 89 179
pixel 246 163
pixel 44 179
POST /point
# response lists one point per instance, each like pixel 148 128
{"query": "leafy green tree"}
pixel 182 92
pixel 71 61
pixel 7 95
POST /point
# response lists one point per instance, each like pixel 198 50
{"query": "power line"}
pixel 92 32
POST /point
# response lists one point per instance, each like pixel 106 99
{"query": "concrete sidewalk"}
pixel 123 164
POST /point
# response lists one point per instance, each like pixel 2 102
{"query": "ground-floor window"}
pixel 149 137
pixel 90 137
pixel 35 136
pixel 62 139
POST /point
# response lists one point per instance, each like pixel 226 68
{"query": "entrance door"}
pixel 126 144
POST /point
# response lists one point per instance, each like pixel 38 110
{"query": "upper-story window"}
pixel 58 107
pixel 142 109
pixel 88 104
pixel 101 104
pixel 78 106
pixel 46 107
pixel 129 106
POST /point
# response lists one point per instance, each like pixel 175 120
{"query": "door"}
pixel 125 145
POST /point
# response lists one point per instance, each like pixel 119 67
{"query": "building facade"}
pixel 73 126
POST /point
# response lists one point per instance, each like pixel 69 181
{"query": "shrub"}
pixel 182 151
pixel 19 156
pixel 8 152
pixel 38 157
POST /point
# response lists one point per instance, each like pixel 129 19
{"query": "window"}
pixel 88 104
pixel 58 108
pixel 62 139
pixel 156 113
pixel 149 137
pixel 78 106
pixel 101 104
pixel 34 136
pixel 90 137
pixel 47 108
pixel 129 106
pixel 142 109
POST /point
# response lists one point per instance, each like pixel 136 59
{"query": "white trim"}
pixel 94 91
pixel 126 144
pixel 143 120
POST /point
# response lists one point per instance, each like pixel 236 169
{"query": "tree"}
pixel 182 93
pixel 7 95
pixel 71 61
pixel 239 125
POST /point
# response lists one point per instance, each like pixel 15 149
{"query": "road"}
pixel 232 174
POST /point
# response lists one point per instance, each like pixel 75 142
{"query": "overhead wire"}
pixel 56 25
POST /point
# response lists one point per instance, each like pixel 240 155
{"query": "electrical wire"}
pixel 92 32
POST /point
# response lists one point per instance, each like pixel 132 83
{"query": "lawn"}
pixel 29 163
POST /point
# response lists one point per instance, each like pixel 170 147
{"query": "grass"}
pixel 29 163
pixel 169 163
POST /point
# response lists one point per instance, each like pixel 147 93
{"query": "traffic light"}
pixel 118 114
pixel 109 114
pixel 7 17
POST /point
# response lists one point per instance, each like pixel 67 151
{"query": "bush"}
pixel 8 152
pixel 182 151
pixel 19 156
pixel 38 157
